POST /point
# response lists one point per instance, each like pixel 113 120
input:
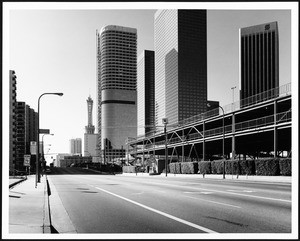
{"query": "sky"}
pixel 52 48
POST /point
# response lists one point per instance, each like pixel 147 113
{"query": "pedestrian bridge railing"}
pixel 253 124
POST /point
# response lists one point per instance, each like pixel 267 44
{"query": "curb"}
pixel 47 216
pixel 15 183
pixel 60 221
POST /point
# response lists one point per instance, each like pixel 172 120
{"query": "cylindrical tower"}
pixel 118 77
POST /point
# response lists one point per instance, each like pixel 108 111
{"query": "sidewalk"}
pixel 281 179
pixel 28 206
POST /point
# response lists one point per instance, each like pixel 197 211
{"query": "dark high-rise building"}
pixel 12 118
pixel 259 59
pixel 180 64
pixel 145 89
pixel 20 134
pixel 23 127
pixel 117 91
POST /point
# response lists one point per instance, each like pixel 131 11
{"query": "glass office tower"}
pixel 117 77
pixel 145 87
pixel 180 64
pixel 259 59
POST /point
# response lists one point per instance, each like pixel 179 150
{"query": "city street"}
pixel 156 204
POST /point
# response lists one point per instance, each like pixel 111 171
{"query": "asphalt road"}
pixel 156 204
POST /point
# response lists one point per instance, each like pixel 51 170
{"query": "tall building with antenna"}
pixel 90 138
pixel 90 129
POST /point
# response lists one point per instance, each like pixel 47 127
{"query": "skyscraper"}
pixel 259 59
pixel 145 89
pixel 76 146
pixel 117 91
pixel 90 139
pixel 180 64
pixel 12 118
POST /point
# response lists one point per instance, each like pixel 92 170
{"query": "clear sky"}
pixel 54 50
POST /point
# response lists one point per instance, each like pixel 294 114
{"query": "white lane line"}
pixel 233 193
pixel 240 191
pixel 225 204
pixel 199 192
pixel 161 213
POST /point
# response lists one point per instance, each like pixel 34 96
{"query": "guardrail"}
pixel 235 106
pixel 241 126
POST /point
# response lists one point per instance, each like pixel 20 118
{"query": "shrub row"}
pixel 129 169
pixel 263 167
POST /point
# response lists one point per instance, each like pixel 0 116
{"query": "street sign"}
pixel 33 147
pixel 44 131
pixel 27 160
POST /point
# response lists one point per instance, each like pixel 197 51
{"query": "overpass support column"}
pixel 203 146
pixel 183 146
pixel 275 128
pixel 143 154
pixel 233 136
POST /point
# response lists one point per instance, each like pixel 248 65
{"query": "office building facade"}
pixel 259 59
pixel 117 90
pixel 145 90
pixel 180 64
pixel 76 146
pixel 12 118
pixel 26 122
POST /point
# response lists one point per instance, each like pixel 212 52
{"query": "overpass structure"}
pixel 260 125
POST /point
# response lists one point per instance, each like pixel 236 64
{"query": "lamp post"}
pixel 43 147
pixel 38 174
pixel 233 93
pixel 165 122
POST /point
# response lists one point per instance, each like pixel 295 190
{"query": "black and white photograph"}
pixel 150 120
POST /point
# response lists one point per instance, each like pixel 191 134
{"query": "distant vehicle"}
pixel 48 170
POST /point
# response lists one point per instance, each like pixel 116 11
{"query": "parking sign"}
pixel 27 160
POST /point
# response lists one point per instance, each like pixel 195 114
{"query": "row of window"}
pixel 117 33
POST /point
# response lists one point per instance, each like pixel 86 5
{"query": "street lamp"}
pixel 43 147
pixel 233 93
pixel 38 174
pixel 165 122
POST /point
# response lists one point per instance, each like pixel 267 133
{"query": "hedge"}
pixel 247 167
pixel 217 167
pixel 129 169
pixel 267 167
pixel 285 167
pixel 189 167
pixel 175 168
pixel 232 167
pixel 204 167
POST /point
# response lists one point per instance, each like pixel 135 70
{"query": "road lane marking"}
pixel 160 212
pixel 240 191
pixel 225 204
pixel 199 192
pixel 238 194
